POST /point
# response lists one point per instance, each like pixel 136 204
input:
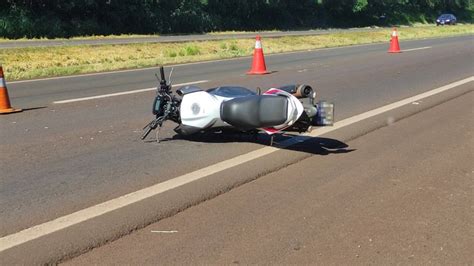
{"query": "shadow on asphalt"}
pixel 312 145
pixel 33 108
pixel 320 146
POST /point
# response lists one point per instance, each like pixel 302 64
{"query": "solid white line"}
pixel 124 93
pixel 63 222
pixel 389 107
pixel 416 49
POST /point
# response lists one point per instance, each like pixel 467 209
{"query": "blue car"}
pixel 446 19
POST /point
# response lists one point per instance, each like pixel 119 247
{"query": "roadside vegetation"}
pixel 28 63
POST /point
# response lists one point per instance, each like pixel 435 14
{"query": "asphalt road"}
pixel 61 158
pixel 172 38
pixel 402 195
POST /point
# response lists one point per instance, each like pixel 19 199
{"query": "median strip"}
pixel 63 222
pixel 29 63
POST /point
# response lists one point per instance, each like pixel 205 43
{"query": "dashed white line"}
pixel 63 222
pixel 416 49
pixel 123 93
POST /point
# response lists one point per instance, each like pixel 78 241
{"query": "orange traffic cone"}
pixel 394 45
pixel 258 64
pixel 5 107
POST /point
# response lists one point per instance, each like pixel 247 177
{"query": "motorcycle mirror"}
pixel 163 85
pixel 162 73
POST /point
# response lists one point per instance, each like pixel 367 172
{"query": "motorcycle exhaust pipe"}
pixel 303 91
pixel 299 91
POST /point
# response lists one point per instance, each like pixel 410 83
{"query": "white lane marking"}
pixel 416 49
pixel 82 75
pixel 124 93
pixel 63 222
pixel 165 232
pixel 389 107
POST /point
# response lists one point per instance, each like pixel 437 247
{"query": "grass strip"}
pixel 37 62
pixel 92 37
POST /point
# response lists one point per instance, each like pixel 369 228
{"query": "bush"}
pixel 192 50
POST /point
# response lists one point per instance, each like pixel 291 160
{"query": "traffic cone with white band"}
pixel 394 45
pixel 258 63
pixel 5 107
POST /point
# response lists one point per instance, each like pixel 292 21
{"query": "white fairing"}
pixel 201 110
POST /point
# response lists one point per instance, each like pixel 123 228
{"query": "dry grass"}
pixel 93 37
pixel 27 63
pixel 239 32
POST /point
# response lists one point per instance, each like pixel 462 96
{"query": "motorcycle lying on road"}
pixel 286 108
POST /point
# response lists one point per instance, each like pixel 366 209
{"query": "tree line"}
pixel 62 18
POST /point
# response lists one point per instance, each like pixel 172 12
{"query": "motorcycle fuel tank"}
pixel 201 110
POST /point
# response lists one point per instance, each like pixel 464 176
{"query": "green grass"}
pixel 28 63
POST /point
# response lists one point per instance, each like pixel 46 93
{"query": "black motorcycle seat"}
pixel 255 111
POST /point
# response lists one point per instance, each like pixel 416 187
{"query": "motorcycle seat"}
pixel 256 111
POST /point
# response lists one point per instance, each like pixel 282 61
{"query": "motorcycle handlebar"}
pixel 151 126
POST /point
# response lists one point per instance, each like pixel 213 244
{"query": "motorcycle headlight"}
pixel 437 20
pixel 157 106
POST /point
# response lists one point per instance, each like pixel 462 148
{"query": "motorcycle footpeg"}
pixel 325 115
